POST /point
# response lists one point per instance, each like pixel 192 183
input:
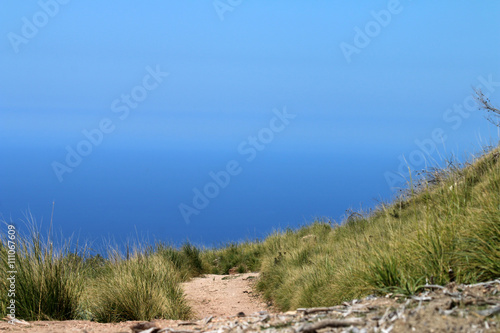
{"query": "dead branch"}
pixel 484 103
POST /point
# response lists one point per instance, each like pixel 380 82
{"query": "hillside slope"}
pixel 446 229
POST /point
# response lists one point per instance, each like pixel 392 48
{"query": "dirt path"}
pixel 223 295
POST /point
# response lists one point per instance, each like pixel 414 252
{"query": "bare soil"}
pixel 223 295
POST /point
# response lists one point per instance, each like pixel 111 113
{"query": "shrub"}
pixel 144 287
pixel 49 281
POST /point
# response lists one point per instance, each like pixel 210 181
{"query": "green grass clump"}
pixel 186 260
pixel 143 287
pixel 53 282
pixel 244 257
pixel 48 281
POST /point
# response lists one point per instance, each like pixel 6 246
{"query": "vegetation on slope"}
pixel 448 231
pixel 63 284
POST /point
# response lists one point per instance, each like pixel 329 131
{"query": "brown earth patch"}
pixel 223 295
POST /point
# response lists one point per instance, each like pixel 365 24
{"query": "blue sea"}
pixel 133 194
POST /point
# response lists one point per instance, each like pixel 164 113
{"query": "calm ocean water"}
pixel 120 194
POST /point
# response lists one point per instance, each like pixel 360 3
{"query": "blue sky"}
pixel 358 116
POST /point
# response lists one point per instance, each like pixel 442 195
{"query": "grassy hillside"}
pixel 448 230
pixel 446 227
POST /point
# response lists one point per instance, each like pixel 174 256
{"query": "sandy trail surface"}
pixel 223 295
